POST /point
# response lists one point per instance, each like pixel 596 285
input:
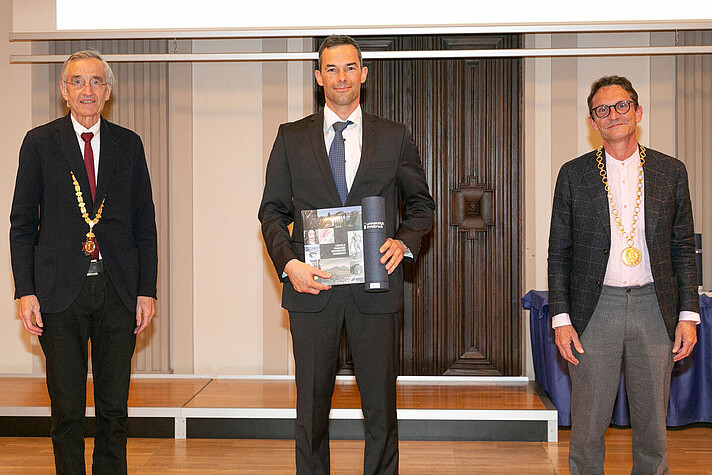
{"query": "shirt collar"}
pixel 330 117
pixel 80 129
pixel 633 158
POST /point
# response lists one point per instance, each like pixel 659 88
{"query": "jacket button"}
pixel 605 251
pixel 598 283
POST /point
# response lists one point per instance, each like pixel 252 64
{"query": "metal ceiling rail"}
pixel 311 31
pixel 437 54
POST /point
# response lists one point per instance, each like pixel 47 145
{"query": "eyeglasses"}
pixel 604 110
pixel 79 83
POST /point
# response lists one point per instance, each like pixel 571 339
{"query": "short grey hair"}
pixel 88 54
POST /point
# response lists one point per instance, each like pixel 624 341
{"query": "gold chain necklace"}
pixel 90 244
pixel 631 256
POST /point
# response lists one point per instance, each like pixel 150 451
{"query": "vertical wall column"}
pixel 180 127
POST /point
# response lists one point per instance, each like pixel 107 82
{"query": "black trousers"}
pixel 97 315
pixel 373 341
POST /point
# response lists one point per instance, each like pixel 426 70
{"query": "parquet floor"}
pixel 247 393
pixel 690 452
pixel 690 449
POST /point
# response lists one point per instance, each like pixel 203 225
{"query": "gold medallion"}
pixel 88 246
pixel 631 256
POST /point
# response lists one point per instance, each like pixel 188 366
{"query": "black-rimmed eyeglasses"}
pixel 604 110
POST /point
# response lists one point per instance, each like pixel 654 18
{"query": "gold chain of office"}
pixel 90 244
pixel 631 256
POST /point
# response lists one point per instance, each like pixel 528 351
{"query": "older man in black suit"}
pixel 622 280
pixel 83 245
pixel 378 158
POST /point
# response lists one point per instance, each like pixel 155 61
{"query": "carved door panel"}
pixel 461 312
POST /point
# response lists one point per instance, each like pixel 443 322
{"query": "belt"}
pixel 95 268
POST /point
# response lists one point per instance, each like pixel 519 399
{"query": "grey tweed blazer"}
pixel 580 238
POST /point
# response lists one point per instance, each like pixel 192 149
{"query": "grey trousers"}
pixel 626 327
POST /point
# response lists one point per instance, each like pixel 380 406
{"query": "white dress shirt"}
pixel 623 181
pixel 353 137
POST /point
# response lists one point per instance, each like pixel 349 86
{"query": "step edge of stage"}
pixel 133 376
pixel 290 413
pixel 404 379
pixel 44 411
pixel 290 377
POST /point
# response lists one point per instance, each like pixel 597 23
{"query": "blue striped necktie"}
pixel 337 159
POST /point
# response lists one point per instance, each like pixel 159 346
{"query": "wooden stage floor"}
pixel 281 393
pixel 690 448
pixel 445 408
pixel 690 452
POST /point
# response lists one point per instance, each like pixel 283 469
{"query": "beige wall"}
pixel 34 15
pixel 238 324
pixel 16 98
pixel 227 257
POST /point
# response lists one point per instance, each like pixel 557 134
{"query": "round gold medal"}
pixel 631 256
pixel 88 247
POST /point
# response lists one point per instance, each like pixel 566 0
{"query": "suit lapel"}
pixel 367 146
pixel 598 195
pixel 72 154
pixel 651 179
pixel 316 134
pixel 107 155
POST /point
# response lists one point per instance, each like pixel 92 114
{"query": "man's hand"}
pixel 394 250
pixel 565 335
pixel 685 339
pixel 301 275
pixel 29 307
pixel 145 310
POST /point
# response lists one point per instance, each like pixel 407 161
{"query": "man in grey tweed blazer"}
pixel 622 280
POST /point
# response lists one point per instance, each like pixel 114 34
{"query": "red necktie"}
pixel 89 164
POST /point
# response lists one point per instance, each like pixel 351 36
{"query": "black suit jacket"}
pixel 299 177
pixel 580 238
pixel 47 229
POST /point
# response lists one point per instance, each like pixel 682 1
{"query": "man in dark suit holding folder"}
pixel 83 245
pixel 622 280
pixel 330 159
